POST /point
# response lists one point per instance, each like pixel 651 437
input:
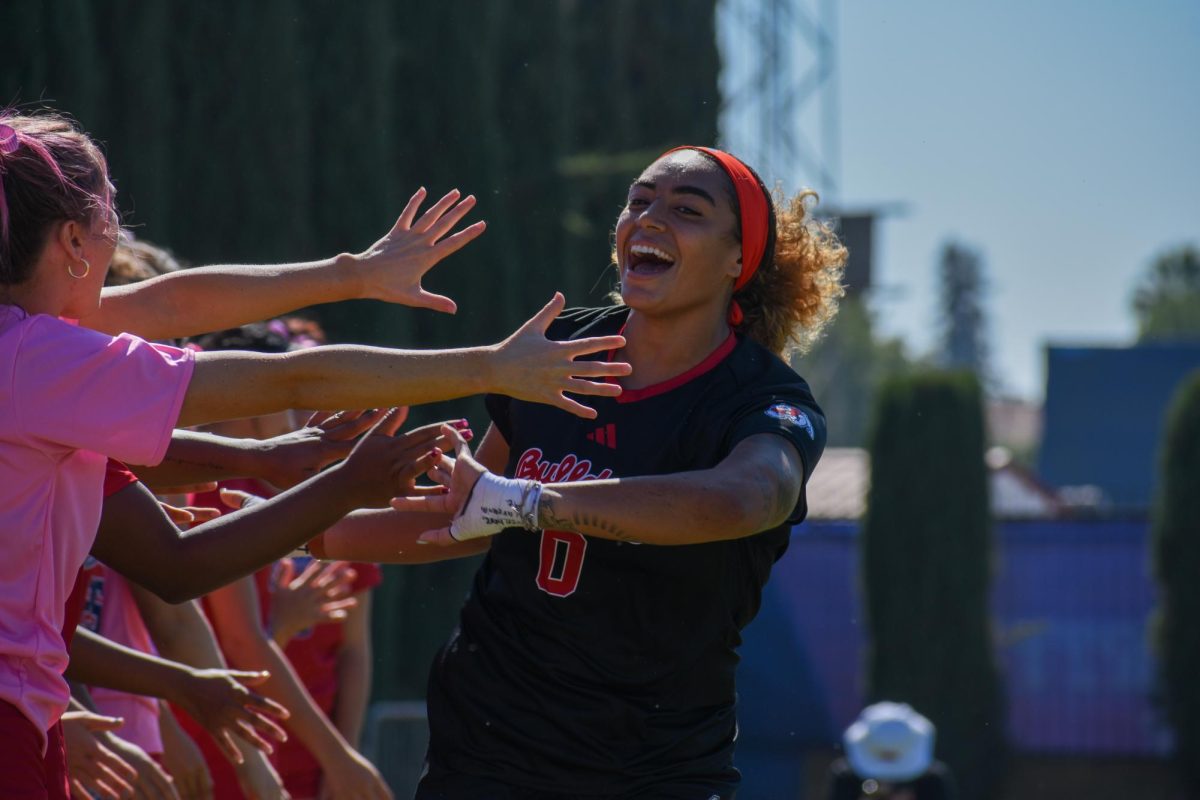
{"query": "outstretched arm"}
pixel 235 616
pixel 196 301
pixel 526 365
pixel 217 698
pixel 137 539
pixel 753 489
pixel 194 457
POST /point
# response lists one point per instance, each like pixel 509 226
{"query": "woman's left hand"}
pixel 392 268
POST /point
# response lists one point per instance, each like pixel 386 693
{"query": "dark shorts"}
pixel 440 784
pixel 25 772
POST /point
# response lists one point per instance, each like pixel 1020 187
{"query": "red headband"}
pixel 756 217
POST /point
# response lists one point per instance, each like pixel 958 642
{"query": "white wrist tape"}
pixel 497 503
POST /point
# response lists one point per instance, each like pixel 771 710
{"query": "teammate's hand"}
pixel 458 475
pixel 220 701
pixel 381 467
pixel 290 458
pixel 152 782
pixel 392 268
pixel 532 367
pixel 183 759
pixel 92 768
pixel 320 593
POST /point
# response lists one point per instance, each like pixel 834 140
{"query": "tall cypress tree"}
pixel 1176 543
pixel 926 554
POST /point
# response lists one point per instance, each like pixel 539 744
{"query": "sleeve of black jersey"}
pixel 498 407
pixel 789 412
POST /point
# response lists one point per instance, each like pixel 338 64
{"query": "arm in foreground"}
pixel 753 489
pixel 205 299
pixel 140 541
pixel 526 365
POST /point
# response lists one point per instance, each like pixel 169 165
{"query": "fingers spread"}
pixel 451 218
pixel 435 212
pixel 596 344
pixel 394 420
pixel 434 302
pixel 543 318
pixel 225 743
pixel 410 210
pixel 349 427
pixel 247 732
pixel 452 244
pixel 578 409
pixel 600 369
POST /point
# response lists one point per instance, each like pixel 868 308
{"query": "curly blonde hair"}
pixel 795 292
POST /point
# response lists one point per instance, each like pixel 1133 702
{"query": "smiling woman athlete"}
pixel 596 653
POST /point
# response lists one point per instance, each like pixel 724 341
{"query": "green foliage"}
pixel 1176 555
pixel 845 369
pixel 280 131
pixel 1167 300
pixel 926 564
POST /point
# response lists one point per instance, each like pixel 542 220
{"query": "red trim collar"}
pixel 707 365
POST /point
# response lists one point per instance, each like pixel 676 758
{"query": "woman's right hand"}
pixel 531 367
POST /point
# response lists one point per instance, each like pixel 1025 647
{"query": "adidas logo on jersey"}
pixel 605 435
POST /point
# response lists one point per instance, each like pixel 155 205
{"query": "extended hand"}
pixel 381 467
pixel 220 701
pixel 290 458
pixel 532 367
pixel 320 593
pixel 93 769
pixel 152 783
pixel 392 268
pixel 464 472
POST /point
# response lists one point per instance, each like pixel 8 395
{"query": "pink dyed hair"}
pixel 50 171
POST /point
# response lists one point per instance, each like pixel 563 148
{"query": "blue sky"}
pixel 1061 138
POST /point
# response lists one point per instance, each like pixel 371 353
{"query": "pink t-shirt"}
pixel 69 397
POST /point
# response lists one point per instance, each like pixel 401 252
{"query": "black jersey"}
pixel 602 668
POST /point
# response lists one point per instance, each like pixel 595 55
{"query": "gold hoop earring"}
pixel 86 269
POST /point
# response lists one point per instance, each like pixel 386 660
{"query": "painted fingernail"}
pixel 435 452
pixel 468 435
pixel 460 423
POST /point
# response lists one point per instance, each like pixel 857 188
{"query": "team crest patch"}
pixel 793 416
